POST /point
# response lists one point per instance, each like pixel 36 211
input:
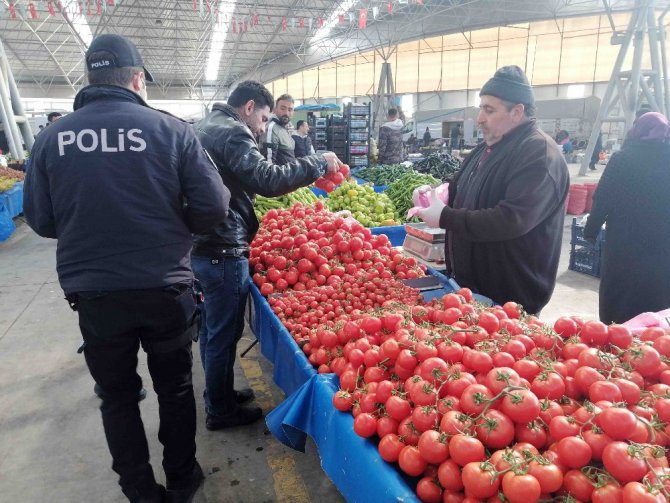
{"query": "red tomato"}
pixel 597 441
pixel 622 463
pixel 449 475
pixel 522 406
pixel 428 490
pixel 574 452
pixel 365 424
pixel 644 359
pixel 343 401
pixel 389 447
pixel 609 493
pixel 499 378
pixel 549 476
pixel 475 398
pixel 548 385
pixel 464 449
pixel 604 390
pixel 562 427
pixel 565 327
pixel 479 480
pixel 521 488
pixel 620 336
pixel 433 446
pixel 617 423
pixel 594 333
pixel 495 429
pixel 634 492
pixel 411 462
pixel 578 485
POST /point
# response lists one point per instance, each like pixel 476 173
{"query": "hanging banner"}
pixel 12 11
pixel 33 11
pixel 362 19
pixel 389 8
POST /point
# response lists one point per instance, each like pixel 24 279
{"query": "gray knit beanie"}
pixel 509 83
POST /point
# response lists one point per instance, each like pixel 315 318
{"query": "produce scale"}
pixel 426 243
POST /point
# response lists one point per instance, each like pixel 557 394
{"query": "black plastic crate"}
pixel 578 239
pixel 585 260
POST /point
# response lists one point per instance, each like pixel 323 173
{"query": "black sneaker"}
pixel 99 392
pixel 592 167
pixel 242 416
pixel 185 495
pixel 244 395
pixel 152 494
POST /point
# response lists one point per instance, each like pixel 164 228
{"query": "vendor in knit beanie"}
pixel 509 83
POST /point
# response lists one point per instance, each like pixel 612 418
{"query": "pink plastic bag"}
pixel 421 197
pixel 642 321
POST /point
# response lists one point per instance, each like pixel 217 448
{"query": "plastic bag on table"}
pixel 348 218
pixel 643 321
pixel 421 197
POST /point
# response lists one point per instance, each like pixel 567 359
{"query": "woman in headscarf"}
pixel 633 198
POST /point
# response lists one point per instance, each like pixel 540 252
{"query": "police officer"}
pixel 122 186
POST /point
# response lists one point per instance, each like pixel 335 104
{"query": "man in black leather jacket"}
pixel 122 186
pixel 220 256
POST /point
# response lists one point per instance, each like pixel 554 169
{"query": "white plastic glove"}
pixel 432 214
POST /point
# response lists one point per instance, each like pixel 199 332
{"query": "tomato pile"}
pixel 487 404
pixel 308 246
pixel 479 403
pixel 329 181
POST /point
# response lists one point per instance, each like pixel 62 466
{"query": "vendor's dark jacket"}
pixel 505 218
pixel 632 199
pixel 122 186
pixel 246 172
pixel 279 146
pixel 303 145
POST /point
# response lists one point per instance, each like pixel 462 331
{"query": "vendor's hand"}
pixel 432 214
pixel 333 161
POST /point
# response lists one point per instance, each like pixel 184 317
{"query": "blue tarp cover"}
pixel 318 108
pixel 352 462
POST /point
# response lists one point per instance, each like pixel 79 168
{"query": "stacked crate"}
pixel 584 256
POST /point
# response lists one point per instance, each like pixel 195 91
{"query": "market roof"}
pixel 262 39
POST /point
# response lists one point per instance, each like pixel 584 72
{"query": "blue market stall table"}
pixel 352 462
pixel 11 205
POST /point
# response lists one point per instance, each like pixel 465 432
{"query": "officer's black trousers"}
pixel 113 325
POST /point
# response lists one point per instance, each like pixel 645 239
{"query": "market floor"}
pixel 52 447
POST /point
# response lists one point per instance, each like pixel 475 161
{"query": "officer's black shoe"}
pixel 154 493
pixel 185 494
pixel 592 167
pixel 241 417
pixel 244 395
pixel 99 392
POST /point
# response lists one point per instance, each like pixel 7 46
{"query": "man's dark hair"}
pixel 111 76
pixel 529 109
pixel 299 123
pixel 251 90
pixel 285 97
pixel 53 115
pixel 393 112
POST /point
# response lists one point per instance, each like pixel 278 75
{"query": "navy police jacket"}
pixel 122 186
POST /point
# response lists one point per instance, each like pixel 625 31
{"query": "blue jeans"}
pixel 225 284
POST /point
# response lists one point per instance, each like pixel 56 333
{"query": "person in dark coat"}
pixel 303 143
pixel 123 187
pixel 220 256
pixel 505 214
pixel 390 139
pixel 632 199
pixel 427 138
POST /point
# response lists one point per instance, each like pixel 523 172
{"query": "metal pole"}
pixel 28 138
pixel 8 134
pixel 634 99
pixel 664 62
pixel 607 99
pixel 655 59
pixel 9 122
